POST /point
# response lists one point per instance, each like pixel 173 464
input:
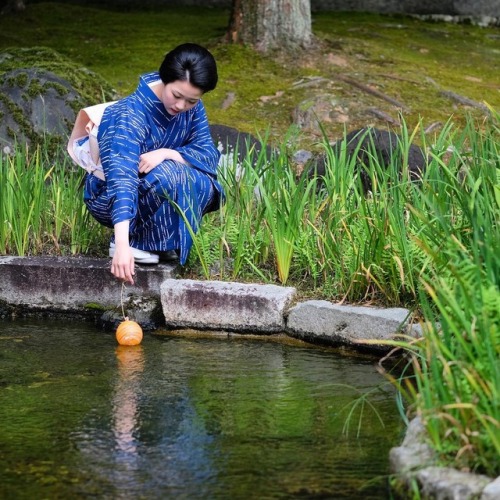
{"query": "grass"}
pixel 430 246
pixel 42 207
pixel 457 367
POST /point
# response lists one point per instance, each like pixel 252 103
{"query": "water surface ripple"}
pixel 81 417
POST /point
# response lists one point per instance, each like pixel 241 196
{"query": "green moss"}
pixel 91 87
pixel 20 80
pixel 17 114
pixel 35 88
pixel 60 89
pixel 407 59
pixel 94 306
pixel 412 61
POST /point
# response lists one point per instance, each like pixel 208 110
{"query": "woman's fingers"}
pixel 124 270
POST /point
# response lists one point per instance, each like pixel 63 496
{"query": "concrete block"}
pixel 216 305
pixel 320 321
pixel 72 283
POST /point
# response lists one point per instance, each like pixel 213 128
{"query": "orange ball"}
pixel 129 333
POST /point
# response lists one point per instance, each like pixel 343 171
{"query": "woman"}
pixel 159 163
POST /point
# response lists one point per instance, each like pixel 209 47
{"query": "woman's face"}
pixel 179 96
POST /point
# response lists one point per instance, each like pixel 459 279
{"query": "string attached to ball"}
pixel 128 332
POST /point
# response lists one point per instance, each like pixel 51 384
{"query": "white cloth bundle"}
pixel 82 145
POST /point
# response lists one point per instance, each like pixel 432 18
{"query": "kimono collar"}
pixel 148 97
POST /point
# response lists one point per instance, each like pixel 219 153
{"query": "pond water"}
pixel 187 418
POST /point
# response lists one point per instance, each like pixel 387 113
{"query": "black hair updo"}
pixel 190 62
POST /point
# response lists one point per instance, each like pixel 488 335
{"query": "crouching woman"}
pixel 159 163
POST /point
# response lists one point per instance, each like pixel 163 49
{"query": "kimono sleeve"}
pixel 199 149
pixel 121 134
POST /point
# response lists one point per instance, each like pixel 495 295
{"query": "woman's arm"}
pixel 120 135
pixel 122 265
pixel 152 159
pixel 197 150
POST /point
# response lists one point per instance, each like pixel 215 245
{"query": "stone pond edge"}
pixel 84 286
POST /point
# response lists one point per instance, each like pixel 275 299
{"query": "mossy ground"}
pixel 407 59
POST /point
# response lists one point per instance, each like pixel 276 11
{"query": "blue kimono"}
pixel 162 203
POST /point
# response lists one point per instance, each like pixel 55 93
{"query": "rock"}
pixel 35 103
pixel 300 159
pixel 492 490
pixel 40 94
pixel 6 310
pixel 233 143
pixel 216 305
pixel 320 109
pixel 445 483
pixel 321 322
pixel 414 452
pixel 415 462
pixel 235 146
pixel 145 310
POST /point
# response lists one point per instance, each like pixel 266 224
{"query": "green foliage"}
pixel 319 233
pixel 405 58
pixel 432 246
pixel 455 386
pixel 41 207
pixel 458 371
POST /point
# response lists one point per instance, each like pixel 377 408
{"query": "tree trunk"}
pixel 271 24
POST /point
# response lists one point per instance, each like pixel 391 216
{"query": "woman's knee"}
pixel 166 178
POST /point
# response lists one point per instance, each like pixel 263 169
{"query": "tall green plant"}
pixel 456 364
pixel 41 206
pixel 285 199
pixel 367 238
pixel 23 201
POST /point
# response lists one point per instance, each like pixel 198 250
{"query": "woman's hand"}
pixel 151 159
pixel 122 265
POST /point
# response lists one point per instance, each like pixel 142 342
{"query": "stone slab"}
pixel 216 305
pixel 320 321
pixel 72 283
pixel 448 483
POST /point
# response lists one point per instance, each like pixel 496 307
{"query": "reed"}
pixel 457 368
pixel 41 206
pixel 430 245
pixel 320 230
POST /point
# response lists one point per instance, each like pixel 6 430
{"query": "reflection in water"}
pixel 125 400
pixel 186 418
